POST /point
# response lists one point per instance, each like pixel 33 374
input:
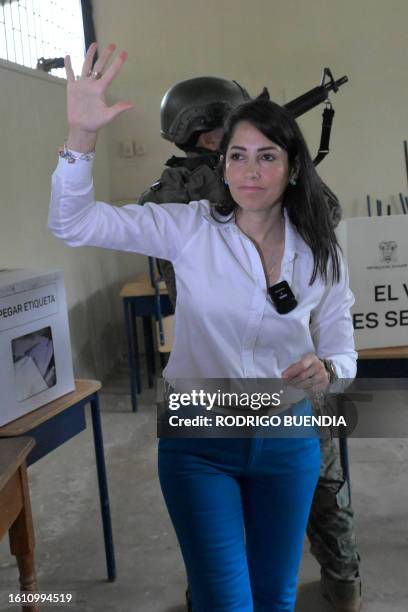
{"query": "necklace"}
pixel 271 265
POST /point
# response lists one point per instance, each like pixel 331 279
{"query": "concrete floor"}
pixel 70 554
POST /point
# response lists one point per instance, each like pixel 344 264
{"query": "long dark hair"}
pixel 304 202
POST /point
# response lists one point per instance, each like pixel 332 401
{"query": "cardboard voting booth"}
pixel 35 348
pixel 376 249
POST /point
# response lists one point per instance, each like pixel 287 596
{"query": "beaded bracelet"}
pixel 72 156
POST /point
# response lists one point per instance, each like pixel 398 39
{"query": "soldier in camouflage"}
pixel 192 114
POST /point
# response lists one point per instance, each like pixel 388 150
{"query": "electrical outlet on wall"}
pixel 129 149
pixel 140 150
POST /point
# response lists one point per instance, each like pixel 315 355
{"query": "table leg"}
pixel 21 535
pixel 131 354
pixel 343 448
pixel 135 344
pixel 103 487
pixel 163 360
pixel 149 347
pixel 344 459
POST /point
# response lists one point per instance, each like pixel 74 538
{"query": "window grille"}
pixel 34 29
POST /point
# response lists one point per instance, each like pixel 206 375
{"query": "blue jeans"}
pixel 240 507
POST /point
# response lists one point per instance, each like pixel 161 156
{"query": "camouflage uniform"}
pixel 184 180
pixel 330 529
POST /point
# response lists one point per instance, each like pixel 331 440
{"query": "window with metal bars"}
pixel 38 33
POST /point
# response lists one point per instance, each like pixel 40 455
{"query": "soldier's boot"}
pixel 331 534
pixel 343 596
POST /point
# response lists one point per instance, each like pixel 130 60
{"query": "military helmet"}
pixel 197 105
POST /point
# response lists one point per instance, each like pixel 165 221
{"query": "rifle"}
pixel 301 105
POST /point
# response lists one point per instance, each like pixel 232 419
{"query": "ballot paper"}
pixel 34 363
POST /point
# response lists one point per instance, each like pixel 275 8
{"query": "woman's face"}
pixel 257 169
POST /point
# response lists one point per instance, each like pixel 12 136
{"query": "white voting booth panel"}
pixel 376 249
pixel 35 349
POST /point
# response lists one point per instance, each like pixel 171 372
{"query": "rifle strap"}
pixel 327 122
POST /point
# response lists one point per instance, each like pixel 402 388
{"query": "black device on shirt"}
pixel 283 298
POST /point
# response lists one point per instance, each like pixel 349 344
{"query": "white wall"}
pixel 283 44
pixel 32 120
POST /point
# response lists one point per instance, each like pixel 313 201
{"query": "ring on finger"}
pixel 312 380
pixel 94 74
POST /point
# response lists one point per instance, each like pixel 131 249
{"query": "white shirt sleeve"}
pixel 77 219
pixel 332 328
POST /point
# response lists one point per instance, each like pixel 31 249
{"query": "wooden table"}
pixel 139 300
pixel 59 421
pixel 15 510
pixel 390 352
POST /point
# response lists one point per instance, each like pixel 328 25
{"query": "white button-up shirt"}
pixel 226 325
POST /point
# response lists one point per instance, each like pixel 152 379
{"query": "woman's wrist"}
pixel 330 369
pixel 81 141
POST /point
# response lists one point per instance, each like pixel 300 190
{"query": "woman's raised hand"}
pixel 86 105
